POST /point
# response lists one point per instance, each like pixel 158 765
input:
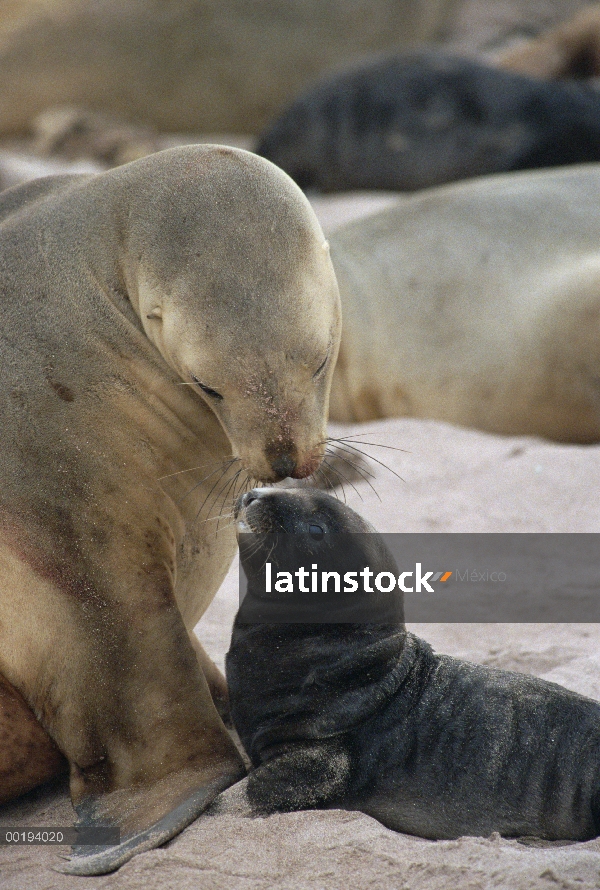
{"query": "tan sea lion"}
pixel 169 331
pixel 569 50
pixel 477 304
pixel 194 65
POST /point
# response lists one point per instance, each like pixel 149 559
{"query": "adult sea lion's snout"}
pixel 292 462
pixel 284 465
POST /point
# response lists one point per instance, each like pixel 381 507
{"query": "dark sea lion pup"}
pixel 423 118
pixel 367 717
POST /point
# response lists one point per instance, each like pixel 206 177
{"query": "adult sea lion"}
pixel 569 50
pixel 365 716
pixel 477 304
pixel 169 330
pixel 190 65
pixel 420 119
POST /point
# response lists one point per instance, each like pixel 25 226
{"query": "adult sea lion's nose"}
pixel 283 465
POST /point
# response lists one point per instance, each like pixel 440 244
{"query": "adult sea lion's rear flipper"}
pixel 148 817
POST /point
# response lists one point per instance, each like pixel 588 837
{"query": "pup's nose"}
pixel 246 499
pixel 249 497
pixel 283 465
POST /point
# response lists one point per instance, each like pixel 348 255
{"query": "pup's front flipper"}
pixel 300 778
pixel 146 817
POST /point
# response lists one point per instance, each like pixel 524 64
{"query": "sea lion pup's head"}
pixel 234 285
pixel 308 677
pixel 295 528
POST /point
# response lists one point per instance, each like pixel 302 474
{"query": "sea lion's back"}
pixel 25 195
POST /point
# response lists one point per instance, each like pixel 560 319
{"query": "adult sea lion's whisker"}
pixel 374 444
pixel 370 457
pixel 363 473
pixel 339 473
pixel 189 470
pixel 332 443
pixel 355 466
pixel 341 484
pixel 236 490
pixel 322 472
pixel 226 495
pixel 218 495
pixel 232 487
pixel 211 491
pixel 198 484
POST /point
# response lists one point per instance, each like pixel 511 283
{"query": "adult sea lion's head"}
pixel 234 286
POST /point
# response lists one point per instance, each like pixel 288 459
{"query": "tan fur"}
pixel 477 304
pixel 203 261
pixel 189 65
pixel 572 49
pixel 28 756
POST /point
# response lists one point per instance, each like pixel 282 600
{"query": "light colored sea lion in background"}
pixel 476 304
pixel 169 331
pixel 230 66
pixel 490 26
pixel 570 50
pixel 189 65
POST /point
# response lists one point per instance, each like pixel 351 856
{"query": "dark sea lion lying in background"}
pixel 367 717
pixel 425 118
pixel 169 330
pixel 477 304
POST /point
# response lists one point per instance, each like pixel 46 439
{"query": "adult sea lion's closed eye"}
pixel 206 389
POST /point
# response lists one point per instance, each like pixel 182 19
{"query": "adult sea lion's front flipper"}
pixel 167 755
pixel 156 751
pixel 98 860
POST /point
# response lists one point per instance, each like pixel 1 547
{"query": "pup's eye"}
pixel 321 367
pixel 206 389
pixel 315 532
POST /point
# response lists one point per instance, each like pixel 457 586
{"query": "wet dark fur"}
pixel 369 718
pixel 421 119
